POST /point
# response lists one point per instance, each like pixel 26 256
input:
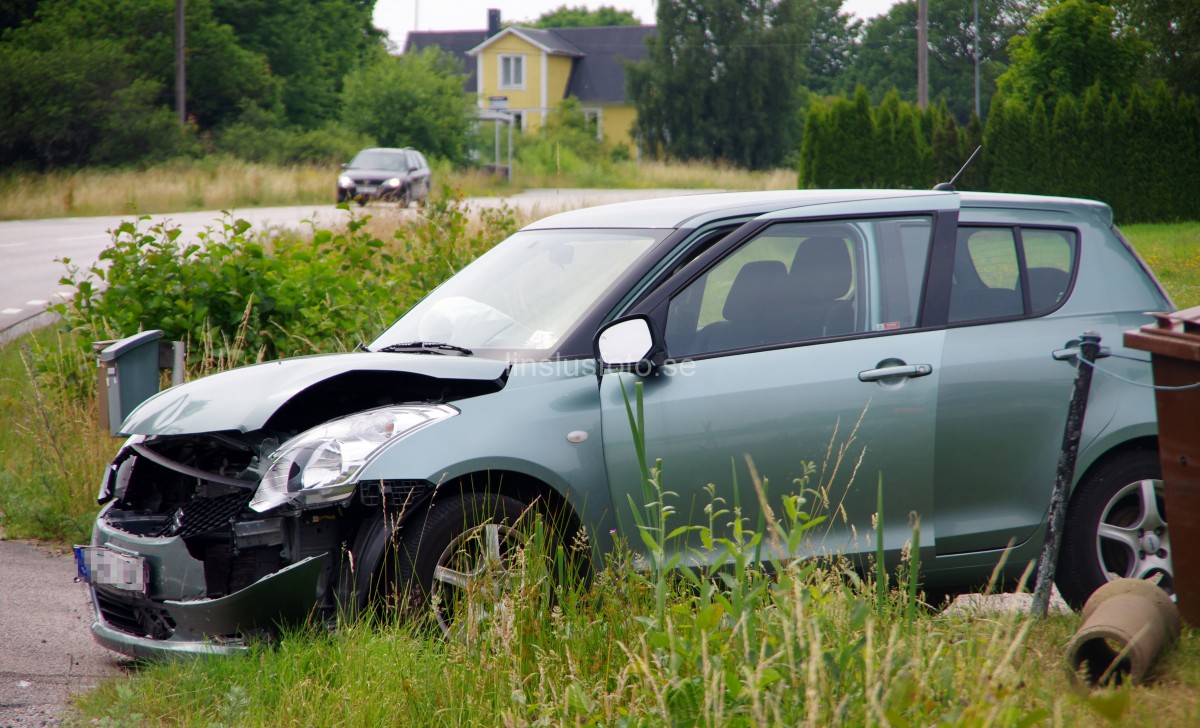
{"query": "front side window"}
pixel 512 72
pixel 1003 272
pixel 524 295
pixel 797 282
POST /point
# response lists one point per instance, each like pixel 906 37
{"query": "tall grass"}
pixel 650 643
pixel 212 183
pixel 52 445
pixel 216 183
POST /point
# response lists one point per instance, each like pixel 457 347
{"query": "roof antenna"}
pixel 949 186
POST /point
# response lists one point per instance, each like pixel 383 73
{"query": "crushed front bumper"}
pixel 172 614
pixel 125 622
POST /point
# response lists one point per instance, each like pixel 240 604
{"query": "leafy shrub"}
pixel 251 140
pixel 567 144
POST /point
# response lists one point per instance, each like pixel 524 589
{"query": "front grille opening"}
pixel 141 619
pixel 201 515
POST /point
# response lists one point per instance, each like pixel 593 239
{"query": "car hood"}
pixel 245 399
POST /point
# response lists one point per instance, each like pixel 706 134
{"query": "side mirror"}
pixel 346 165
pixel 629 344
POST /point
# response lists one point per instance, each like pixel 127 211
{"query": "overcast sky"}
pixel 397 17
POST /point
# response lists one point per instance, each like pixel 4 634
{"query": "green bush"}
pixel 566 144
pixel 252 140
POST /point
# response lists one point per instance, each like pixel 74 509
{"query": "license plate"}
pixel 101 566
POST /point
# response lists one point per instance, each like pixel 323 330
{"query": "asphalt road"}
pixel 46 651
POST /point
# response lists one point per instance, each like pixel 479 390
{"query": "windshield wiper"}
pixel 428 347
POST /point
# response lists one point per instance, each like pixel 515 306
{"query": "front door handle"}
pixel 909 371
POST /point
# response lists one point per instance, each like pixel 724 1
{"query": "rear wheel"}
pixel 1116 527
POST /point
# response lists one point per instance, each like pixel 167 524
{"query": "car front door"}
pixel 792 342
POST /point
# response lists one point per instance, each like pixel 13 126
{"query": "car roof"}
pixel 696 209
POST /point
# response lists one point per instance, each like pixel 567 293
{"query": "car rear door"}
pixel 1003 399
pixel 798 339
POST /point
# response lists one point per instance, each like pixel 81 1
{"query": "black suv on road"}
pixel 381 173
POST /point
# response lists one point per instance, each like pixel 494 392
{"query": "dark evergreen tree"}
pixel 948 156
pixel 975 177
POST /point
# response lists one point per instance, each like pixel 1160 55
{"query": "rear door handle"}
pixel 909 371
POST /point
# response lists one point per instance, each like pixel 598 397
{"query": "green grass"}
pixel 811 645
pixel 1173 252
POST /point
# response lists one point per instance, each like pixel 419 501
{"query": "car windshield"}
pixel 524 295
pixel 380 160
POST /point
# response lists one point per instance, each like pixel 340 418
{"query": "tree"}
pixel 412 100
pixel 715 85
pixel 829 44
pixel 1069 47
pixel 337 37
pixel 222 77
pixel 580 17
pixel 79 103
pixel 15 12
pixel 1172 30
pixel 886 53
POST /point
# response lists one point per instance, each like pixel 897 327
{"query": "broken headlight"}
pixel 318 466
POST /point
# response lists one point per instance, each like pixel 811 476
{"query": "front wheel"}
pixel 1116 527
pixel 462 561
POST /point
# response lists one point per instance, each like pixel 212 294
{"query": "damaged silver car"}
pixel 762 326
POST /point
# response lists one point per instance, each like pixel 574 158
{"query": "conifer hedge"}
pixel 1139 153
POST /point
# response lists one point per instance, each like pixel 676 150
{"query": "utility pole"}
pixel 978 113
pixel 180 72
pixel 922 53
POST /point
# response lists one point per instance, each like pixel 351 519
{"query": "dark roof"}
pixel 454 42
pixel 597 74
pixel 551 40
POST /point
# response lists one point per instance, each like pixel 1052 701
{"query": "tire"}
pixel 1115 527
pixel 406 198
pixel 455 565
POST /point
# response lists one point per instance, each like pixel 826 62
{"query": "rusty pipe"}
pixel 1126 624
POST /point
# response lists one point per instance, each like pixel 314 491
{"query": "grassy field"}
pixel 1173 252
pixel 217 183
pixel 816 646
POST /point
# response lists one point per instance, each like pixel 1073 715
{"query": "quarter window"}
pixel 512 72
pixel 798 282
pixel 1005 272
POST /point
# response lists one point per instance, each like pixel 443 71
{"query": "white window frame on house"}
pixel 595 116
pixel 515 63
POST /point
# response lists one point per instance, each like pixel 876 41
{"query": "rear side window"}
pixel 1003 272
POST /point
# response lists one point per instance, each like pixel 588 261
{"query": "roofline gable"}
pixel 517 31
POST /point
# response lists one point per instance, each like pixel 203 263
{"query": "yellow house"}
pixel 526 72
